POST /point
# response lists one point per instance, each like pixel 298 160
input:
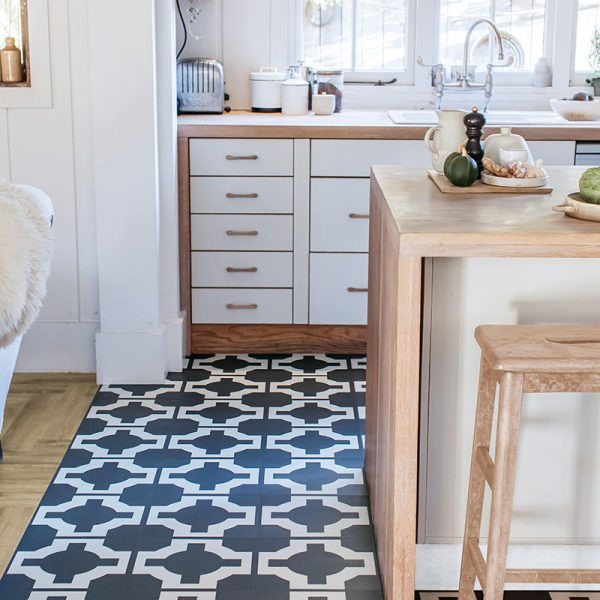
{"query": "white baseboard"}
pixel 438 565
pixel 144 357
pixel 58 347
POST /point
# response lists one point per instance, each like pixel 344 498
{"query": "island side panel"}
pixel 392 414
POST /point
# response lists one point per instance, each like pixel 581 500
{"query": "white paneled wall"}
pixel 245 35
pixel 51 148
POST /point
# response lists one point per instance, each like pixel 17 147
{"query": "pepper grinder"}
pixel 475 122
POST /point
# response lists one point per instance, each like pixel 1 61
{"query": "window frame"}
pixel 577 78
pixel 24 9
pixel 415 83
pixel 402 77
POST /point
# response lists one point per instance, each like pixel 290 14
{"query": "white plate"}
pixel 513 181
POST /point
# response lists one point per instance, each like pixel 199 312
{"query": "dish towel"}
pixel 25 258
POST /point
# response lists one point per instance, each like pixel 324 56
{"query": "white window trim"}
pixel 39 94
pixel 415 89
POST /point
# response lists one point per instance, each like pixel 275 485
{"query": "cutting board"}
pixel 481 188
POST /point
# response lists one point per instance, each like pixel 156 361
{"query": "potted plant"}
pixel 594 58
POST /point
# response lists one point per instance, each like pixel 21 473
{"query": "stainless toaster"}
pixel 200 86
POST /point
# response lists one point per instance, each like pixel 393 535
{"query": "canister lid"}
pixel 267 74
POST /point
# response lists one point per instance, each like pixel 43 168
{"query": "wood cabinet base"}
pixel 335 339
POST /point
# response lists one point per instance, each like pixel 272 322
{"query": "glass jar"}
pixel 331 81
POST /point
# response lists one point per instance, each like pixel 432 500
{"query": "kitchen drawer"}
pixel 242 232
pixel 354 158
pixel 242 269
pixel 241 157
pixel 554 153
pixel 587 160
pixel 241 306
pixel 339 210
pixel 338 284
pixel 242 195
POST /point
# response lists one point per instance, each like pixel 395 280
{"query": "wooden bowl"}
pixel 575 207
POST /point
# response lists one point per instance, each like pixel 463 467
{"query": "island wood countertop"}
pixel 410 219
pixel 431 223
pixel 352 124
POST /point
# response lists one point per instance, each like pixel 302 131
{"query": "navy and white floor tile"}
pixel 239 479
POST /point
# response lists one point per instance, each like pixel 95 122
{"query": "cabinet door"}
pixel 242 232
pixel 338 289
pixel 354 158
pixel 339 211
pixel 244 157
pixel 235 195
pixel 554 153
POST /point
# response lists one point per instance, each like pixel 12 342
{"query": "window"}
pixel 588 20
pixel 359 36
pixel 13 24
pixel 521 22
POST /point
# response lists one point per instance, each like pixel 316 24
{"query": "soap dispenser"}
pixel 506 140
pixel 294 93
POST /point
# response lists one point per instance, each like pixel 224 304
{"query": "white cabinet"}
pixel 241 306
pixel 354 158
pixel 273 195
pixel 339 215
pixel 242 269
pixel 246 157
pixel 242 232
pixel 554 153
pixel 338 288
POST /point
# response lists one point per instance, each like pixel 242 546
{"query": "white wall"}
pixel 51 148
pixel 244 35
pixel 104 150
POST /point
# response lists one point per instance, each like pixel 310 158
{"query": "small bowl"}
pixel 577 110
pixel 507 156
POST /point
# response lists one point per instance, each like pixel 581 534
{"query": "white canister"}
pixel 323 104
pixel 265 89
pixel 294 97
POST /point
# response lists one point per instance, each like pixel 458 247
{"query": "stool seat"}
pixel 540 348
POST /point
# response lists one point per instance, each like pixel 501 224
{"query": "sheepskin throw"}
pixel 25 256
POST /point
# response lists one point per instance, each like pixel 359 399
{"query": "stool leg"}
pixel 481 437
pixel 507 438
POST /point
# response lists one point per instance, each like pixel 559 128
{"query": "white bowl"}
pixel 577 110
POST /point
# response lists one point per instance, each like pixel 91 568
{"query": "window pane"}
pixel 522 23
pixel 10 21
pixel 356 35
pixel 588 19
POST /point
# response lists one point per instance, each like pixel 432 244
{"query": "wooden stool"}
pixel 521 359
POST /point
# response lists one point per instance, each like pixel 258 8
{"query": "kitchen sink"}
pixel 508 117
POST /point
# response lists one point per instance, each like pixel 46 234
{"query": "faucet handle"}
pixel 508 63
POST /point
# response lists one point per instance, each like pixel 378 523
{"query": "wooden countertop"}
pixel 435 224
pixel 357 125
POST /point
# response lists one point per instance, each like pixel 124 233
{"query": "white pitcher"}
pixel 446 137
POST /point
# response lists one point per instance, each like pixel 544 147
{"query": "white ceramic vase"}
pixel 446 137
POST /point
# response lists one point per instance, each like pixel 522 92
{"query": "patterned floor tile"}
pixel 238 479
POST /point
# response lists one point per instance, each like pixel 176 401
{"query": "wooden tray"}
pixel 481 188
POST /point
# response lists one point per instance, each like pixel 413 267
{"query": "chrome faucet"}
pixel 463 81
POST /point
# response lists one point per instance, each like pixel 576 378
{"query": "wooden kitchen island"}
pixel 410 220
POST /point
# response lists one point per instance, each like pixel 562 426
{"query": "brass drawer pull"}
pixel 241 195
pixel 233 232
pixel 249 157
pixel 354 290
pixel 242 306
pixel 241 270
pixel 358 216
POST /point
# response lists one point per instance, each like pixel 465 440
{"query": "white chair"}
pixel 8 355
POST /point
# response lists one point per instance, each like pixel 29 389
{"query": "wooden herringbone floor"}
pixel 43 412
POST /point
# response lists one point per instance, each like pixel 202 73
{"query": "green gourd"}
pixel 461 169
